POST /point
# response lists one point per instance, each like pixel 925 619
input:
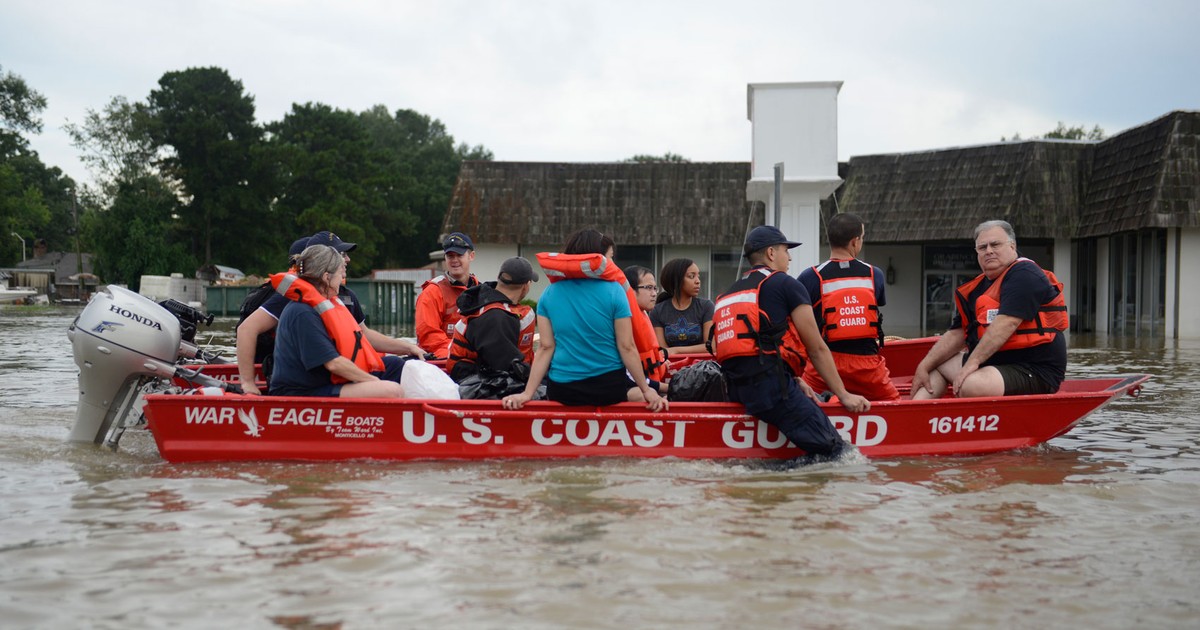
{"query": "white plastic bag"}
pixel 425 380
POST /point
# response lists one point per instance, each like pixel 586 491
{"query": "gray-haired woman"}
pixel 307 356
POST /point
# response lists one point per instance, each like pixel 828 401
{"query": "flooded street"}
pixel 1097 528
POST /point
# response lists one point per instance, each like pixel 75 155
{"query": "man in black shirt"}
pixel 1010 320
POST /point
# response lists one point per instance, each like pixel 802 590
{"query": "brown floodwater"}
pixel 1097 528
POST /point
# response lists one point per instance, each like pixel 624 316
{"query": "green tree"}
pixel 206 120
pixel 1063 132
pixel 115 144
pixel 20 112
pixel 422 163
pixel 333 178
pixel 666 157
pixel 138 233
pixel 23 202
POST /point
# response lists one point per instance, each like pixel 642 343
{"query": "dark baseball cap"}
pixel 458 243
pixel 326 237
pixel 516 271
pixel 298 246
pixel 765 236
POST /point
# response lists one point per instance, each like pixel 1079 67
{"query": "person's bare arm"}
pixel 248 331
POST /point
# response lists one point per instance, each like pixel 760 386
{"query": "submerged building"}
pixel 1117 220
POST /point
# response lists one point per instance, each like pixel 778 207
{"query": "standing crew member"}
pixel 1010 320
pixel 756 321
pixel 847 295
pixel 437 305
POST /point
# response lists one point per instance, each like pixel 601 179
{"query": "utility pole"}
pixel 78 249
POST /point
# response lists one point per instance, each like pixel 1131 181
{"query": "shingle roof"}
pixel 942 195
pixel 635 203
pixel 1148 176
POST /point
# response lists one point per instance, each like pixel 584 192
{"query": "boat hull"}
pixel 234 427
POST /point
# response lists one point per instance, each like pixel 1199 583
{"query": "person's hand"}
pixel 807 390
pixel 920 380
pixel 654 402
pixel 250 388
pixel 515 401
pixel 854 403
pixel 968 369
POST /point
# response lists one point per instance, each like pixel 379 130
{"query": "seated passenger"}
pixel 682 318
pixel 317 337
pixel 256 331
pixel 495 335
pixel 641 280
pixel 437 305
pixel 587 346
pixel 847 294
pixel 1010 320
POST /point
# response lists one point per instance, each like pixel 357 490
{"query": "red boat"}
pixel 902 356
pixel 128 348
pixel 234 427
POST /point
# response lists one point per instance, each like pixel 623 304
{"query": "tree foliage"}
pixel 1063 132
pixel 116 144
pixel 188 177
pixel 138 234
pixel 35 200
pixel 206 120
pixel 20 111
pixel 332 178
pixel 666 157
pixel 422 161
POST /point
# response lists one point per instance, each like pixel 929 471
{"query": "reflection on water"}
pixel 1096 528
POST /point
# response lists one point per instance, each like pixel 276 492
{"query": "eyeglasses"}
pixel 983 247
pixel 648 287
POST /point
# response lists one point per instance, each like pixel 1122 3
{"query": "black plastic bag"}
pixel 493 385
pixel 698 382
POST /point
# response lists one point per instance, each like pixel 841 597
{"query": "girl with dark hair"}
pixel 682 319
pixel 586 349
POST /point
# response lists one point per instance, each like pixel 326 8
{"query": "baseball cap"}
pixel 298 246
pixel 765 236
pixel 458 243
pixel 326 237
pixel 516 271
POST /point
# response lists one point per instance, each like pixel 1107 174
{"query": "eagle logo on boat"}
pixel 105 326
pixel 251 422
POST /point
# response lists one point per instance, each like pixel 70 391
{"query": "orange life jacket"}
pixel 347 336
pixel 597 267
pixel 1050 318
pixel 742 329
pixel 450 293
pixel 462 350
pixel 848 308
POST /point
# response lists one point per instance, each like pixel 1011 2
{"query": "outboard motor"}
pixel 119 338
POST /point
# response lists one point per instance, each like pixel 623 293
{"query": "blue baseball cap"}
pixel 458 243
pixel 326 237
pixel 765 236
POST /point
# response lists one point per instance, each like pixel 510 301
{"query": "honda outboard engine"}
pixel 119 338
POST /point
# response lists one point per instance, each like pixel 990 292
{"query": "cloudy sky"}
pixel 604 80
